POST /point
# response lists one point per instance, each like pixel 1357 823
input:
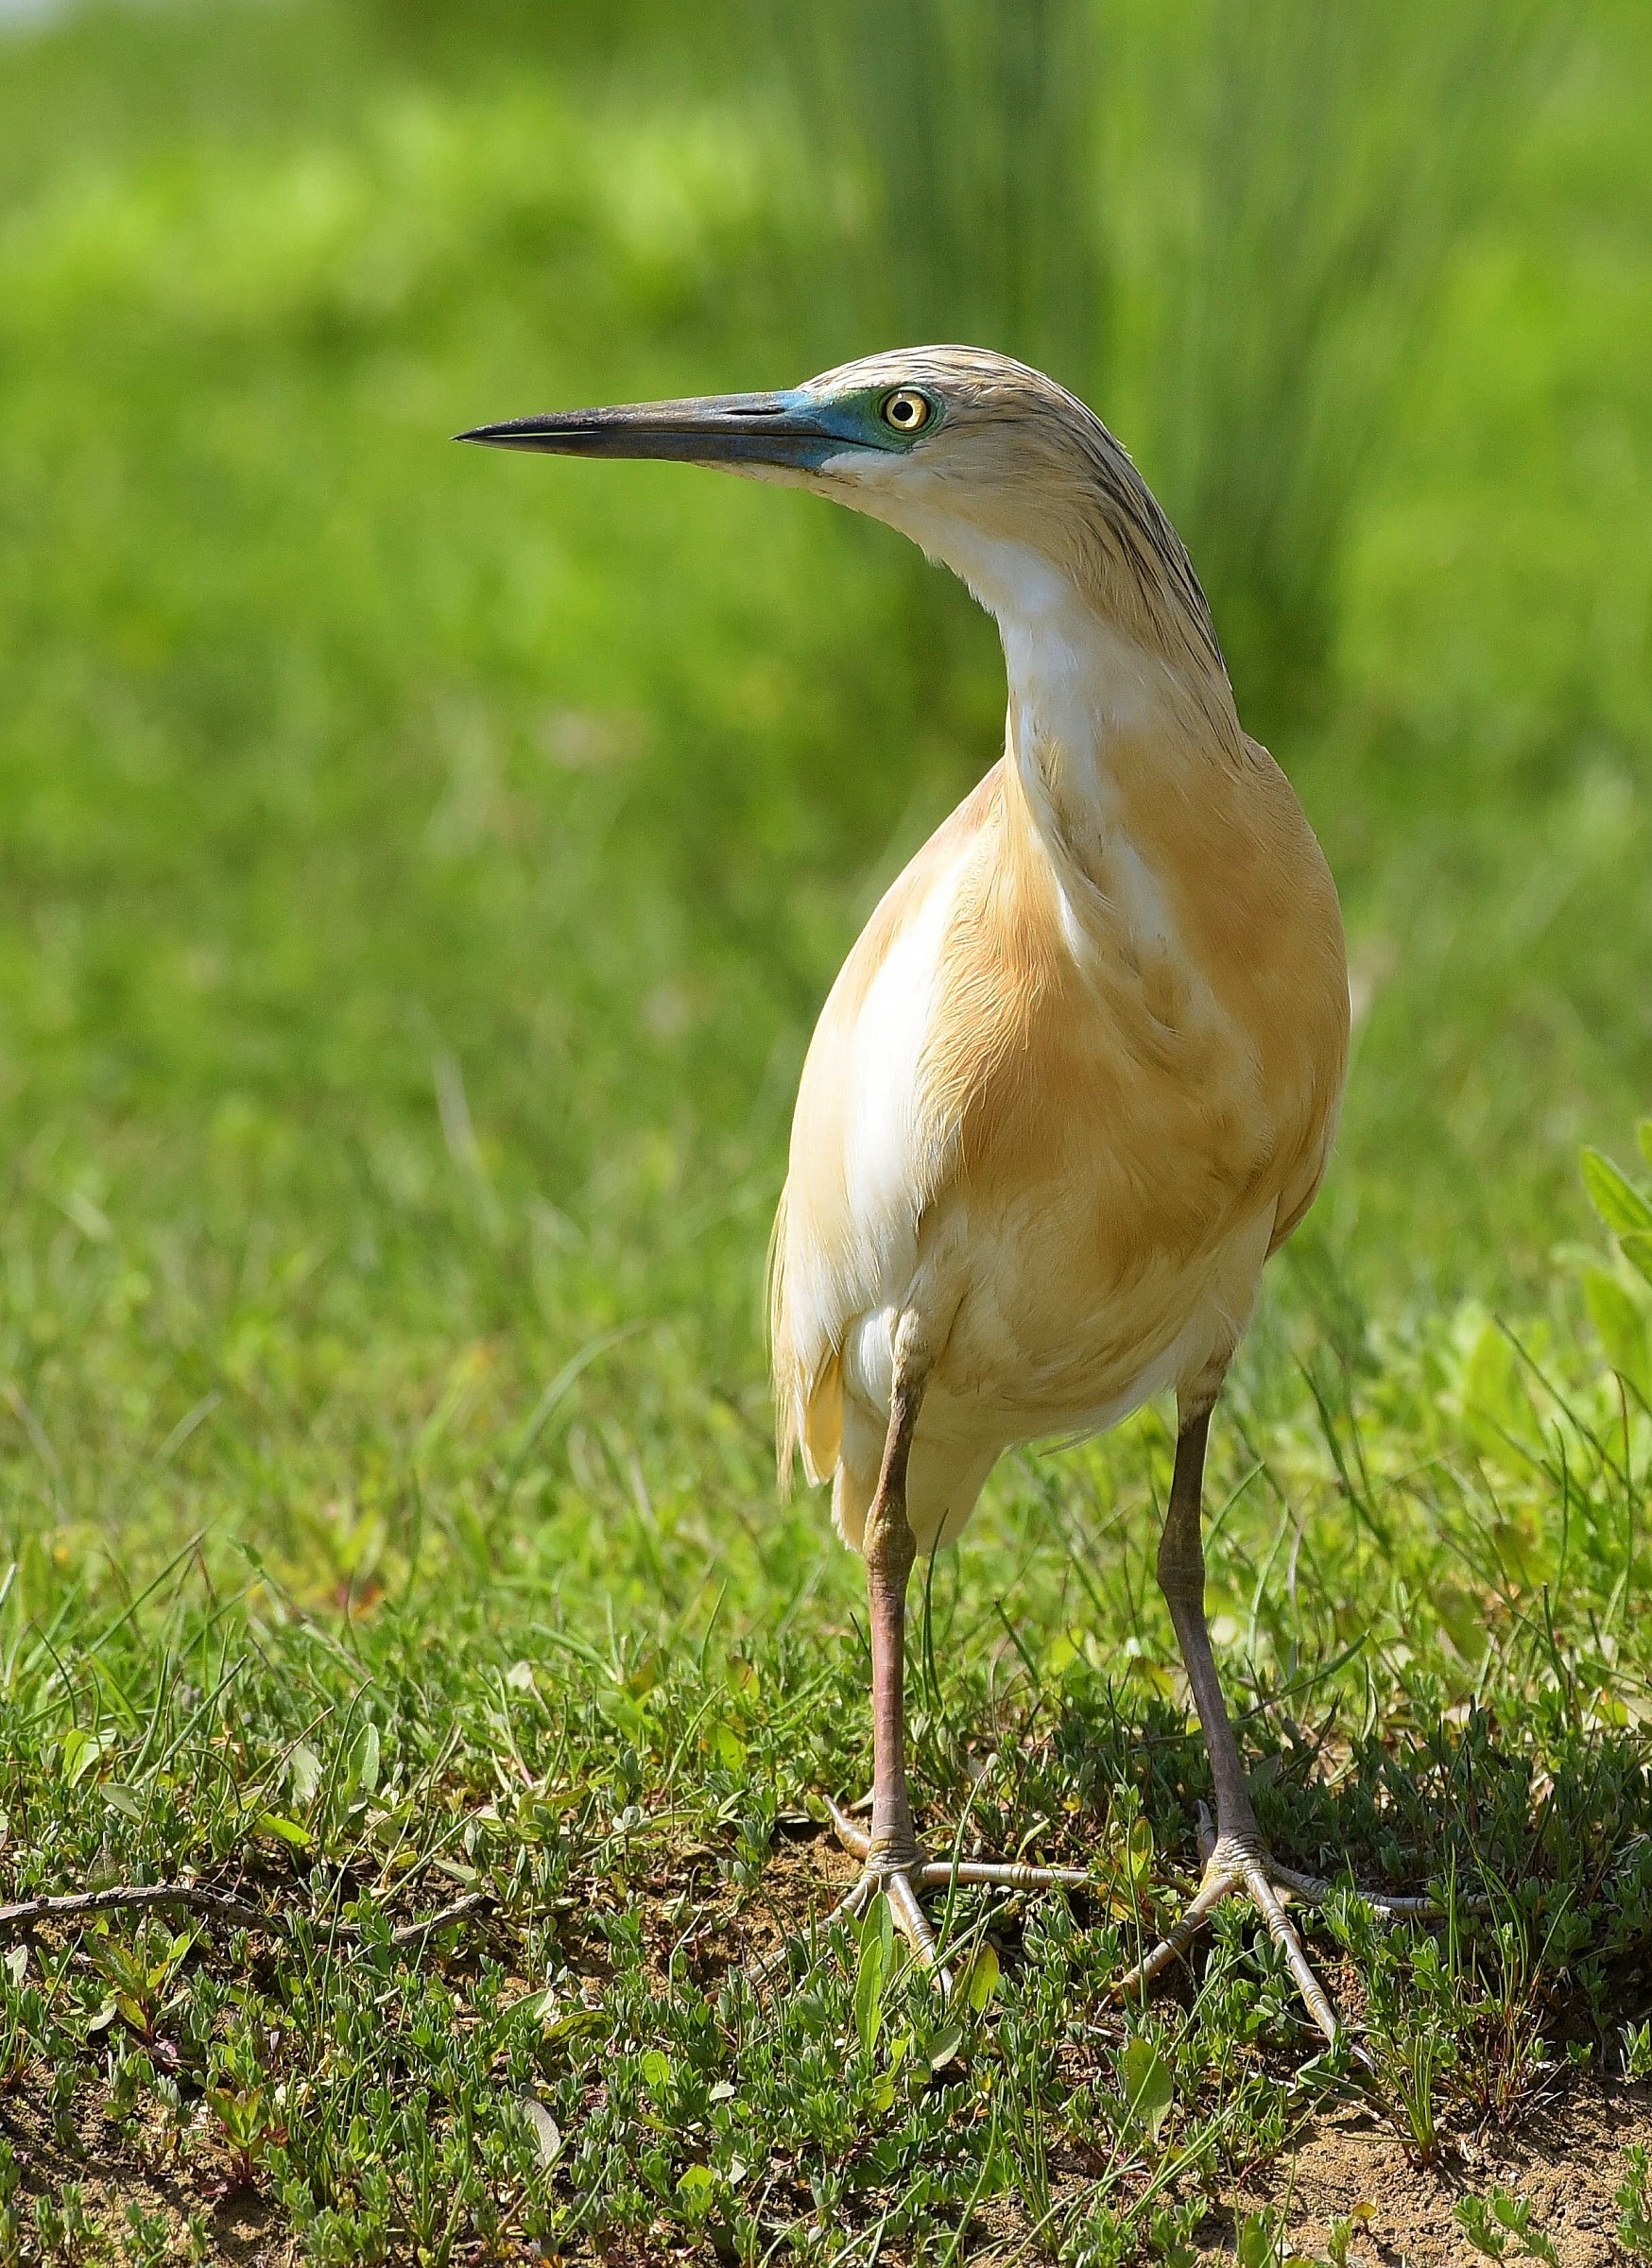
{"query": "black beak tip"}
pixel 562 434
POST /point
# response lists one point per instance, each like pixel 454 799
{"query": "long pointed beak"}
pixel 792 430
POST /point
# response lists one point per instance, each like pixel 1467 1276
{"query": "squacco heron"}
pixel 1080 1074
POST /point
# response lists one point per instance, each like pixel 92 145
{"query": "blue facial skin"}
pixel 797 431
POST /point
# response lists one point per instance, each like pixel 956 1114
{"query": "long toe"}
pixel 913 1923
pixel 1217 1884
pixel 998 1873
pixel 901 1882
pixel 939 1874
pixel 1264 1898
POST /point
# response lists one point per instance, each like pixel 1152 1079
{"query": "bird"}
pixel 1080 1074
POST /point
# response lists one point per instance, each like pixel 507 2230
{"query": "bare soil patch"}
pixel 1568 2159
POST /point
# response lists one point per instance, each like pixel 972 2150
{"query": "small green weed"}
pixel 1634 2204
pixel 149 2237
pixel 1499 2220
pixel 1343 2230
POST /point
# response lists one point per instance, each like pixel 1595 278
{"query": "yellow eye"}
pixel 906 410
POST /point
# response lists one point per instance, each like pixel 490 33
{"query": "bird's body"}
pixel 1079 1076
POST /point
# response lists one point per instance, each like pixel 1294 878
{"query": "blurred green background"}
pixel 420 868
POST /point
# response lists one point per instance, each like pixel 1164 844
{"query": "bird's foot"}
pixel 1240 1864
pixel 901 1875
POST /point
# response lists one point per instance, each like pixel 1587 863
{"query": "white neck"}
pixel 1087 698
pixel 1076 681
pixel 1086 702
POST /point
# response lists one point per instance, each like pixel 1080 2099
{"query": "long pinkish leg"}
pixel 1182 1578
pixel 889 1848
pixel 889 1551
pixel 1239 1860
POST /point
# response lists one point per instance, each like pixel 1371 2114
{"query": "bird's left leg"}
pixel 1238 1859
pixel 895 1863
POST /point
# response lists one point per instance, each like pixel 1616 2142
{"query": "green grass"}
pixel 419 872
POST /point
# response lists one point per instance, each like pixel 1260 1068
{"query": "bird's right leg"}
pixel 892 1855
pixel 895 1860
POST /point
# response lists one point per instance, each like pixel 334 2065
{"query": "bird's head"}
pixel 993 468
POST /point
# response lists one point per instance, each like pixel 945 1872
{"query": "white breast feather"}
pixel 869 1069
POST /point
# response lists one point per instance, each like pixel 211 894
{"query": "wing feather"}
pixel 845 1235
